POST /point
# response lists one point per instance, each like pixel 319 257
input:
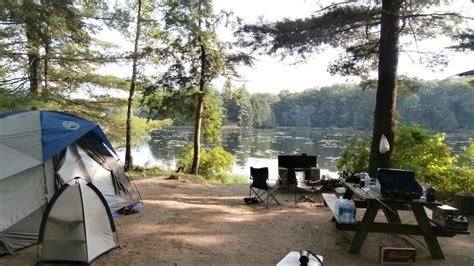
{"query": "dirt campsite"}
pixel 187 222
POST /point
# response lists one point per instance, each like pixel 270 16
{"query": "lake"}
pixel 261 147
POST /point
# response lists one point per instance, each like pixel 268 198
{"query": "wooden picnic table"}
pixel 373 202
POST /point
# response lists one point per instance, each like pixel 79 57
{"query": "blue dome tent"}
pixel 39 152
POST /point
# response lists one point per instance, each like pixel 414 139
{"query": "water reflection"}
pixel 250 144
pixel 250 147
pixel 261 147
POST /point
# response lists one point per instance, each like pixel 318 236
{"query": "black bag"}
pixel 252 200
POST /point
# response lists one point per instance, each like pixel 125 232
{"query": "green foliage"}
pixel 466 158
pixel 153 171
pixel 214 162
pixel 18 102
pixel 179 105
pixel 141 128
pixel 191 52
pixel 99 110
pixel 229 178
pixel 354 26
pixel 435 105
pixel 428 156
pixel 334 106
pixel 415 149
pixel 355 157
pixel 406 85
pixel 109 113
pixel 193 56
pixel 247 110
pixel 59 33
pixel 237 105
pixel 212 117
pixel 262 110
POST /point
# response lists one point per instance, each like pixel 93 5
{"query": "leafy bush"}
pixel 415 149
pixel 428 156
pixel 466 158
pixel 213 165
pixel 147 170
pixel 355 157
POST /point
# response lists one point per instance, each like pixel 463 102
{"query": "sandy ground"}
pixel 189 223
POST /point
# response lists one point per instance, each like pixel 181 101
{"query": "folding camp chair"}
pixel 260 187
pixel 283 177
pixel 308 185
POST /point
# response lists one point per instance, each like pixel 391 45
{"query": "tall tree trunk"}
pixel 128 146
pixel 385 105
pixel 47 43
pixel 46 84
pixel 33 41
pixel 199 111
pixel 200 102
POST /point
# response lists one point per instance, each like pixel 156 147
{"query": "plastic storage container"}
pixel 366 180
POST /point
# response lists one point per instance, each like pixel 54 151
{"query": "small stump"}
pixel 464 201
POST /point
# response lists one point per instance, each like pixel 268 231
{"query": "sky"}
pixel 269 74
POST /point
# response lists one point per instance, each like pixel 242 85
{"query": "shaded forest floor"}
pixel 194 223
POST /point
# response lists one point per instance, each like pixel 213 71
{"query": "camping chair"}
pixel 308 185
pixel 283 177
pixel 260 187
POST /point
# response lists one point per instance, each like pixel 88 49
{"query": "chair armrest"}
pixel 274 182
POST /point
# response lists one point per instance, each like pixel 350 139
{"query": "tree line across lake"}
pixel 446 105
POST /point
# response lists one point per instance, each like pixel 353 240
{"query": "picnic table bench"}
pixel 372 202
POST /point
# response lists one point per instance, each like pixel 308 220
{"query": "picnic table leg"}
pixel 392 215
pixel 427 230
pixel 348 194
pixel 364 227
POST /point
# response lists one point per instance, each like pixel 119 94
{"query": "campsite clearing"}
pixel 192 223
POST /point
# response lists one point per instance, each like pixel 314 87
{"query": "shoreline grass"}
pixel 225 178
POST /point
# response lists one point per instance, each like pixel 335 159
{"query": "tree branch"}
pixel 333 5
pixel 12 81
pixel 104 59
pixel 435 15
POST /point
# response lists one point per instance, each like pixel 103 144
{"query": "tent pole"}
pixel 84 221
pixel 130 178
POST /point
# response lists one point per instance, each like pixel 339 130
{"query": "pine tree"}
pixel 194 56
pixel 49 46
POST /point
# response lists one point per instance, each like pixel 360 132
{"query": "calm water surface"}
pixel 261 147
